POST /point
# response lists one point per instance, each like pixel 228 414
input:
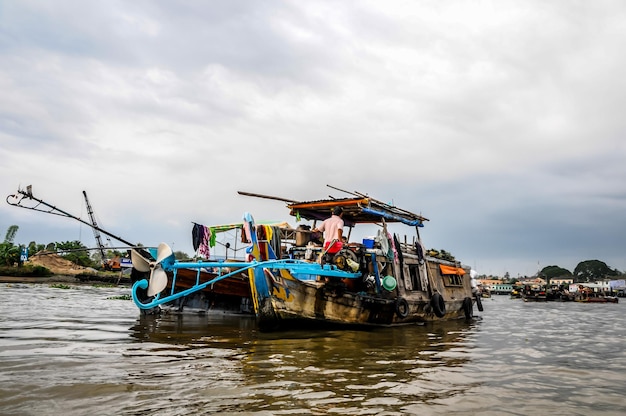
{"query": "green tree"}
pixel 9 253
pixel 10 235
pixel 75 252
pixel 553 272
pixel 33 247
pixel 592 270
pixel 180 255
pixel 115 253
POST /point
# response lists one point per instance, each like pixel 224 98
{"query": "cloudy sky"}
pixel 501 121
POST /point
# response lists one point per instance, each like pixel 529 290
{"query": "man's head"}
pixel 337 211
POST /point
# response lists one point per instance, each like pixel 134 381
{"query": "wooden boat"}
pixel 586 295
pixel 381 282
pixel 534 294
pixel 516 293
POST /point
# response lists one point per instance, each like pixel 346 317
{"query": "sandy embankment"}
pixel 57 264
pixel 64 270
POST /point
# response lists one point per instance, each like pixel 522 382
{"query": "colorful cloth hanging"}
pixel 202 238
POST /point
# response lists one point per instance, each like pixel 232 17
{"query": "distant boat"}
pixel 534 294
pixel 586 295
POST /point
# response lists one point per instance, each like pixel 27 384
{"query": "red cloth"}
pixel 335 246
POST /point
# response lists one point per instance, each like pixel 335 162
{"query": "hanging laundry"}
pixel 392 254
pixel 202 238
pixel 196 235
pixel 213 235
pixel 203 250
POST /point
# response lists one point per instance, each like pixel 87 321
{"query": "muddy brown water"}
pixel 82 350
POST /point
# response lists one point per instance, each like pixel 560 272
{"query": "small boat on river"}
pixel 534 294
pixel 382 281
pixel 587 295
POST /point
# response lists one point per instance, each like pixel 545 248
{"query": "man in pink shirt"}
pixel 333 231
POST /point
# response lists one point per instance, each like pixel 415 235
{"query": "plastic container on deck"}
pixel 368 242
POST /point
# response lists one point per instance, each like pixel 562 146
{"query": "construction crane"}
pixel 113 264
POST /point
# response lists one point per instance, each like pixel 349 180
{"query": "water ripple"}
pixel 80 350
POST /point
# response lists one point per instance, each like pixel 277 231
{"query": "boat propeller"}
pixel 158 277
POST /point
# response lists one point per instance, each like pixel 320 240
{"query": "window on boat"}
pixel 414 273
pixel 453 280
pixel 452 276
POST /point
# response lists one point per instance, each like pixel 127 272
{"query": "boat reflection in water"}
pixel 227 365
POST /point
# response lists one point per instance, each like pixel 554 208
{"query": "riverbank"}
pixel 119 280
pixel 57 269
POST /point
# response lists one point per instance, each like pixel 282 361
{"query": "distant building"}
pixel 489 282
pixel 535 281
pixel 496 286
pixel 562 281
pixel 501 288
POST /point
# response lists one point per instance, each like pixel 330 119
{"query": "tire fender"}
pixel 479 302
pixel 468 308
pixel 402 308
pixel 438 305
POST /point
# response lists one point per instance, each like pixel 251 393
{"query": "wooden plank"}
pixel 277 198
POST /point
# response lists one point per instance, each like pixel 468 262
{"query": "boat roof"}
pixel 355 210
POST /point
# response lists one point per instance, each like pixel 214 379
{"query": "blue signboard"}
pixel 23 254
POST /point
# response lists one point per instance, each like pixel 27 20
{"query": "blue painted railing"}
pixel 298 269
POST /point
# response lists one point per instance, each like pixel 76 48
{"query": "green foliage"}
pixel 592 270
pixel 60 286
pixel 28 270
pixel 115 253
pixel 553 272
pixel 120 297
pixel 75 252
pixel 179 255
pixel 10 235
pixel 9 253
pixel 33 247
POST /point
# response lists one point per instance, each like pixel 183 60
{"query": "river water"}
pixel 83 350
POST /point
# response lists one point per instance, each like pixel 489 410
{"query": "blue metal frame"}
pixel 298 268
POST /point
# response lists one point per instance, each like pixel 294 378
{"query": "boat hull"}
pixel 231 296
pixel 606 299
pixel 291 302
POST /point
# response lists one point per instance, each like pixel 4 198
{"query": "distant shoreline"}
pixel 61 278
